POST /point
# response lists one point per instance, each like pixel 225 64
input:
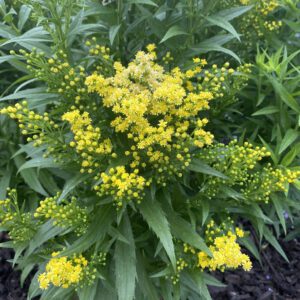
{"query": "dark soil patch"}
pixel 275 279
pixel 10 287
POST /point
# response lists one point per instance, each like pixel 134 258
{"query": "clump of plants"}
pixel 140 176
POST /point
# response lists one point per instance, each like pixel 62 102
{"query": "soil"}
pixel 10 287
pixel 274 279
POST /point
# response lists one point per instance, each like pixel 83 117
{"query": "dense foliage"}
pixel 141 140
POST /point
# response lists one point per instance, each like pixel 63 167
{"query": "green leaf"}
pixel 71 184
pixel 290 156
pixel 157 221
pixel 173 31
pixel 232 13
pixel 221 22
pixel 273 155
pixel 200 167
pixel 231 193
pixel 39 162
pixel 30 176
pixel 147 2
pixel 97 230
pixel 215 44
pixel 56 293
pixel 25 272
pixel 34 288
pixel 35 94
pixel 212 281
pixel 18 251
pixel 23 16
pixel 183 230
pixel 285 96
pixel 205 211
pixel 248 243
pixel 88 291
pixel 46 232
pixel 6 58
pixel 125 263
pixel 201 284
pixel 290 136
pixel 144 281
pixel 105 291
pixel 48 182
pixel 268 110
pixel 113 31
pixel 36 34
pixel 279 210
pixel 273 241
pixel 4 183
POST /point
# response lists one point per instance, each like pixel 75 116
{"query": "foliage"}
pixel 140 146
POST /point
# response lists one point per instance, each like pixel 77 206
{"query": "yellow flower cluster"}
pixel 86 139
pixel 261 184
pixel 235 161
pixel 97 49
pixel 60 76
pixel 272 25
pixel 226 253
pixel 168 58
pixel 66 214
pixel 156 111
pixel 223 82
pixel 30 122
pixel 62 271
pixel 257 18
pixel 19 223
pixel 122 186
pixel 181 264
pixel 267 6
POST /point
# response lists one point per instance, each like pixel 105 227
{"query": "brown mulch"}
pixel 10 287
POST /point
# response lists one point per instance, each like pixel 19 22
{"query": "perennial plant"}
pixel 140 168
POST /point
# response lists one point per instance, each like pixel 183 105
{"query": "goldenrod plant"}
pixel 132 171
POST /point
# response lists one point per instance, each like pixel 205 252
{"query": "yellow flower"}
pixel 122 185
pixel 226 253
pixel 87 138
pixel 62 272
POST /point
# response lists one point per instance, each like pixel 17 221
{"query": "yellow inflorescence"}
pixel 235 161
pixel 156 111
pixel 261 184
pixel 142 92
pixel 121 185
pixel 66 214
pixel 87 138
pixel 62 271
pixel 30 122
pixel 226 253
pixel 259 18
pixel 19 223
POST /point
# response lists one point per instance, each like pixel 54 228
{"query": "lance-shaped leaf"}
pixel 39 162
pixel 157 221
pixel 144 281
pixel 173 31
pixel 97 230
pixel 184 231
pixel 71 184
pixel 200 167
pixel 125 260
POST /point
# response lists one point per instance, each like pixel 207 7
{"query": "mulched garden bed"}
pixel 274 279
